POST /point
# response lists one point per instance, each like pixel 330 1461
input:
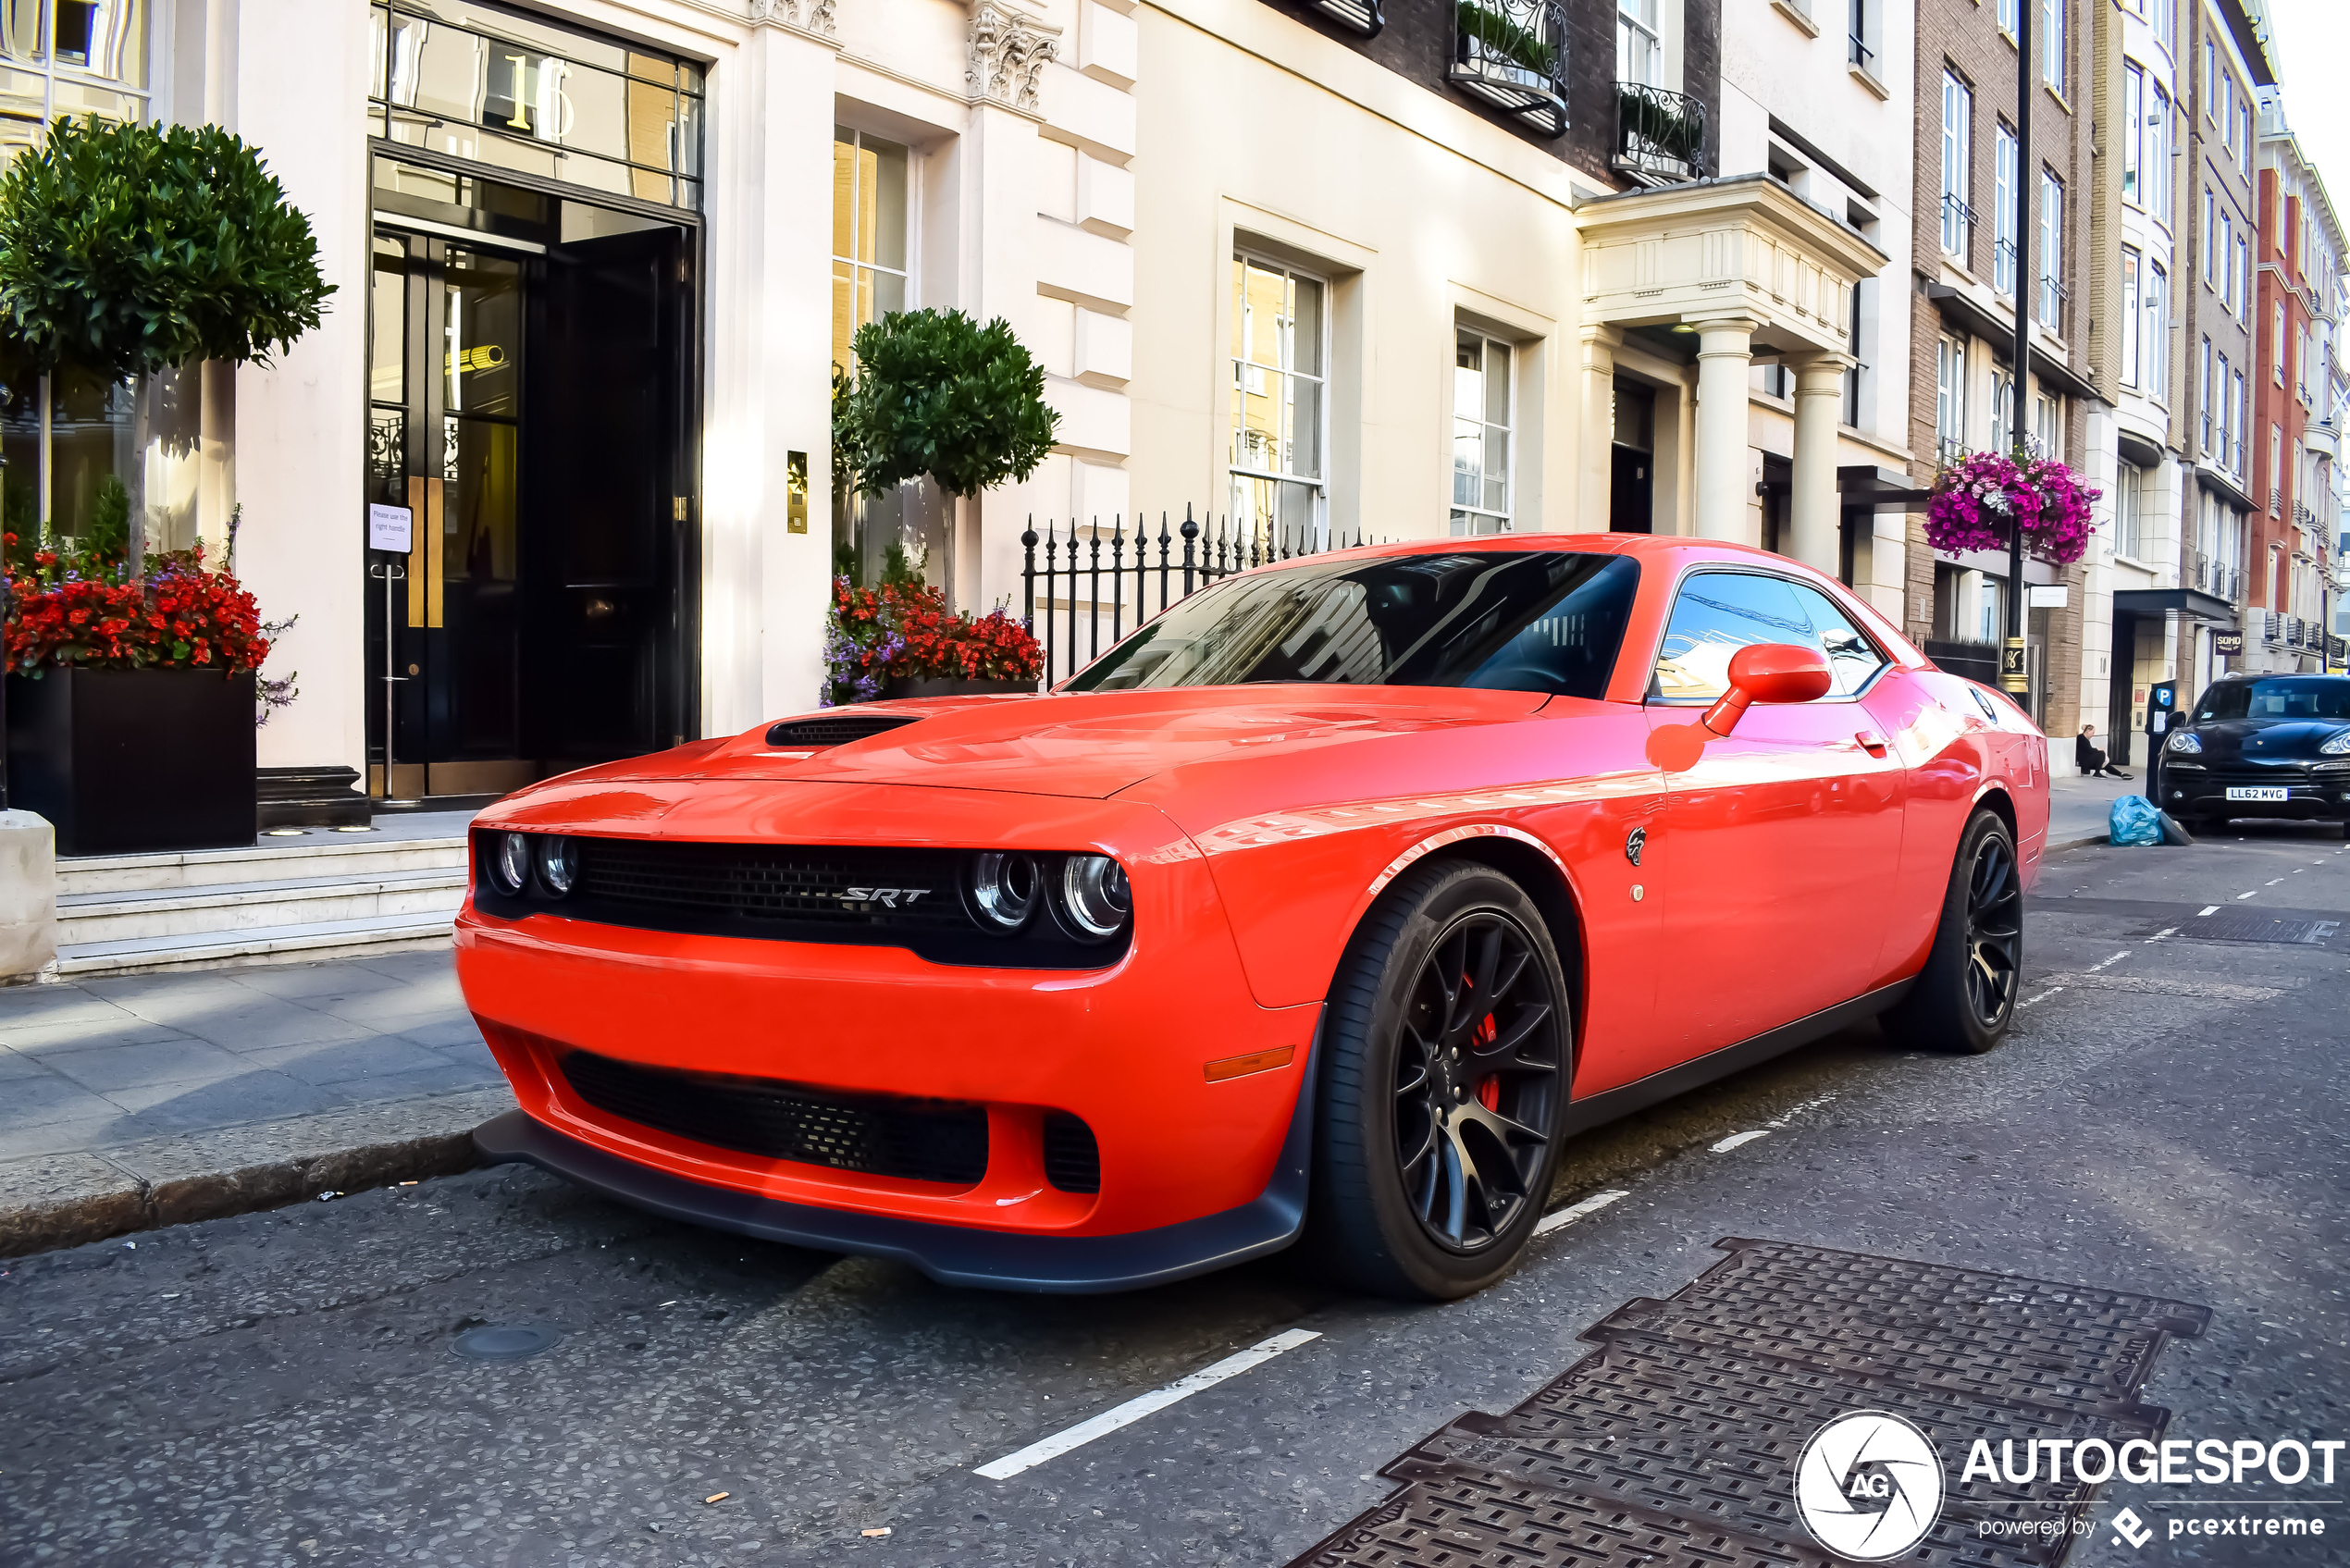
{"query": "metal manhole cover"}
pixel 1676 1440
pixel 2243 926
pixel 505 1342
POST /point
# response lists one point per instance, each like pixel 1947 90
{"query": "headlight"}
pixel 2184 744
pixel 558 864
pixel 2338 747
pixel 1096 896
pixel 1003 890
pixel 510 863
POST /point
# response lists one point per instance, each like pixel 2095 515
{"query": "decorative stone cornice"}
pixel 811 16
pixel 1008 50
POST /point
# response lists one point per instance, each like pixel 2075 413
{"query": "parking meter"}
pixel 2162 713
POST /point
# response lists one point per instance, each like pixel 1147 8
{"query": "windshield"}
pixel 2307 696
pixel 1544 620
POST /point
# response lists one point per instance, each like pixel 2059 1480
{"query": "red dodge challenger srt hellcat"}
pixel 1324 907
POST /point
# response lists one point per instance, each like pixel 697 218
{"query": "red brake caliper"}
pixel 1488 1093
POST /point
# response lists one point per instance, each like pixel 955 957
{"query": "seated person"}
pixel 2090 760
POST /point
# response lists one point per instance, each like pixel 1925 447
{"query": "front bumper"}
pixel 2310 796
pixel 951 1254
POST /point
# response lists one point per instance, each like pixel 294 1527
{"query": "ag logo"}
pixel 1869 1486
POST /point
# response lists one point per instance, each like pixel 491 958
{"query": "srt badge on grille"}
pixel 863 900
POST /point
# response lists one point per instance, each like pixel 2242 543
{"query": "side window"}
pixel 1852 658
pixel 1716 614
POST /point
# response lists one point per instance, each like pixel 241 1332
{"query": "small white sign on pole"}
pixel 2046 597
pixel 388 528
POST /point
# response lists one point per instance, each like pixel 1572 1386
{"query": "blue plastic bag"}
pixel 2135 820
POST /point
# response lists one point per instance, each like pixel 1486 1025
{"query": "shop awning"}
pixel 2186 601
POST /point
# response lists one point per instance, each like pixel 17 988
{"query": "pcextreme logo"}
pixel 1869 1486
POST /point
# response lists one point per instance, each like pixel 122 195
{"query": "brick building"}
pixel 1971 159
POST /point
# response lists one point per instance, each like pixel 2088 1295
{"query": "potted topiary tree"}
pixel 935 396
pixel 128 250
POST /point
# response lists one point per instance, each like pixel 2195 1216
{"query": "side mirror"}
pixel 1770 672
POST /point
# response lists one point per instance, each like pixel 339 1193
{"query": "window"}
pixel 1958 120
pixel 2155 355
pixel 1278 354
pixel 2131 354
pixel 2226 241
pixel 2003 164
pixel 66 57
pixel 1862 53
pixel 2240 278
pixel 1482 399
pixel 2276 345
pixel 2134 114
pixel 1639 56
pixel 2228 111
pixel 2210 79
pixel 1949 394
pixel 2048 426
pixel 2211 232
pixel 2003 410
pixel 1716 614
pixel 2052 252
pixel 2301 366
pixel 2235 422
pixel 2155 158
pixel 2053 42
pixel 1547 621
pixel 2126 502
pixel 869 235
pixel 2203 396
pixel 2276 470
pixel 2324 701
pixel 2165 26
pixel 2009 18
pixel 1853 659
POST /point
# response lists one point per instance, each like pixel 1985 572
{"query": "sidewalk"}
pixel 153 1099
pixel 2079 807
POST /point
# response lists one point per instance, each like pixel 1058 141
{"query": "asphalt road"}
pixel 280 1388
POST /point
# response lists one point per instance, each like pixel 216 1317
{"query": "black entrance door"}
pixel 529 409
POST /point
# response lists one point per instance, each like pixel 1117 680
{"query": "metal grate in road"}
pixel 2243 926
pixel 1675 1441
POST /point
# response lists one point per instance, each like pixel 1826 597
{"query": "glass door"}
pixel 447 329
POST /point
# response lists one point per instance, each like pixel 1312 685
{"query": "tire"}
pixel 1436 1125
pixel 1956 1004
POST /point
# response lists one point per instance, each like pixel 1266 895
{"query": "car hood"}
pixel 2264 740
pixel 1088 744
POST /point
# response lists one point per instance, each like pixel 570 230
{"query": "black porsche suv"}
pixel 2262 746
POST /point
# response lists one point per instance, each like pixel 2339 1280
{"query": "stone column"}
pixel 1594 491
pixel 1813 515
pixel 1724 359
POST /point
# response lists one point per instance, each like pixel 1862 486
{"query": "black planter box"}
pixel 130 762
pixel 945 685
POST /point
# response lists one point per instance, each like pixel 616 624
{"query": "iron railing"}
pixel 2204 575
pixel 1958 226
pixel 1357 16
pixel 1512 55
pixel 1093 585
pixel 1659 135
pixel 2003 267
pixel 2056 306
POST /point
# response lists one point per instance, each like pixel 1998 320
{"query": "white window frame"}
pixel 2005 151
pixel 1633 32
pixel 2155 355
pixel 1480 518
pixel 2051 251
pixel 2055 45
pixel 2134 98
pixel 2154 178
pixel 2131 346
pixel 2128 502
pixel 1949 394
pixel 2276 344
pixel 1237 474
pixel 1958 128
pixel 2203 398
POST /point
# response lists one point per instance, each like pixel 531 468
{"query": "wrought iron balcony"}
pixel 1958 226
pixel 1512 54
pixel 1660 136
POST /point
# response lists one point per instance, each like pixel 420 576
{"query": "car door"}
pixel 1783 835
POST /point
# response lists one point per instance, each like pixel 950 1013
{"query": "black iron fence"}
pixel 1083 587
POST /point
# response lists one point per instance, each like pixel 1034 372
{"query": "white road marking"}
pixel 2207 909
pixel 2242 897
pixel 2168 931
pixel 1737 1138
pixel 1133 1410
pixel 1573 1212
pixel 2274 883
pixel 2115 959
pixel 1794 1111
pixel 2041 997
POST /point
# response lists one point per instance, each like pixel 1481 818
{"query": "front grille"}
pixel 883 897
pixel 913 1139
pixel 837 731
pixel 1073 1160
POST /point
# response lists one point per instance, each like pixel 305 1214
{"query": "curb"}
pixel 69 1200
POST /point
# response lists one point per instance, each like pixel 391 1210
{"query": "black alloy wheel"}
pixel 1994 931
pixel 1477 1077
pixel 1442 1081
pixel 1964 997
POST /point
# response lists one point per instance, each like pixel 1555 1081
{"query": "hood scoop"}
pixel 816 734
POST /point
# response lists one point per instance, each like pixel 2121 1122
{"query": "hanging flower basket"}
pixel 1983 495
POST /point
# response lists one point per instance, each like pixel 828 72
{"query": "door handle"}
pixel 1871 742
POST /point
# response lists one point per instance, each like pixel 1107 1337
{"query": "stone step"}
pixel 356 859
pixel 369 936
pixel 222 907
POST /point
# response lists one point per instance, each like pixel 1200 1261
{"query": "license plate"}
pixel 2256 791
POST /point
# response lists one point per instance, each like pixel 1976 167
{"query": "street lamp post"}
pixel 2013 676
